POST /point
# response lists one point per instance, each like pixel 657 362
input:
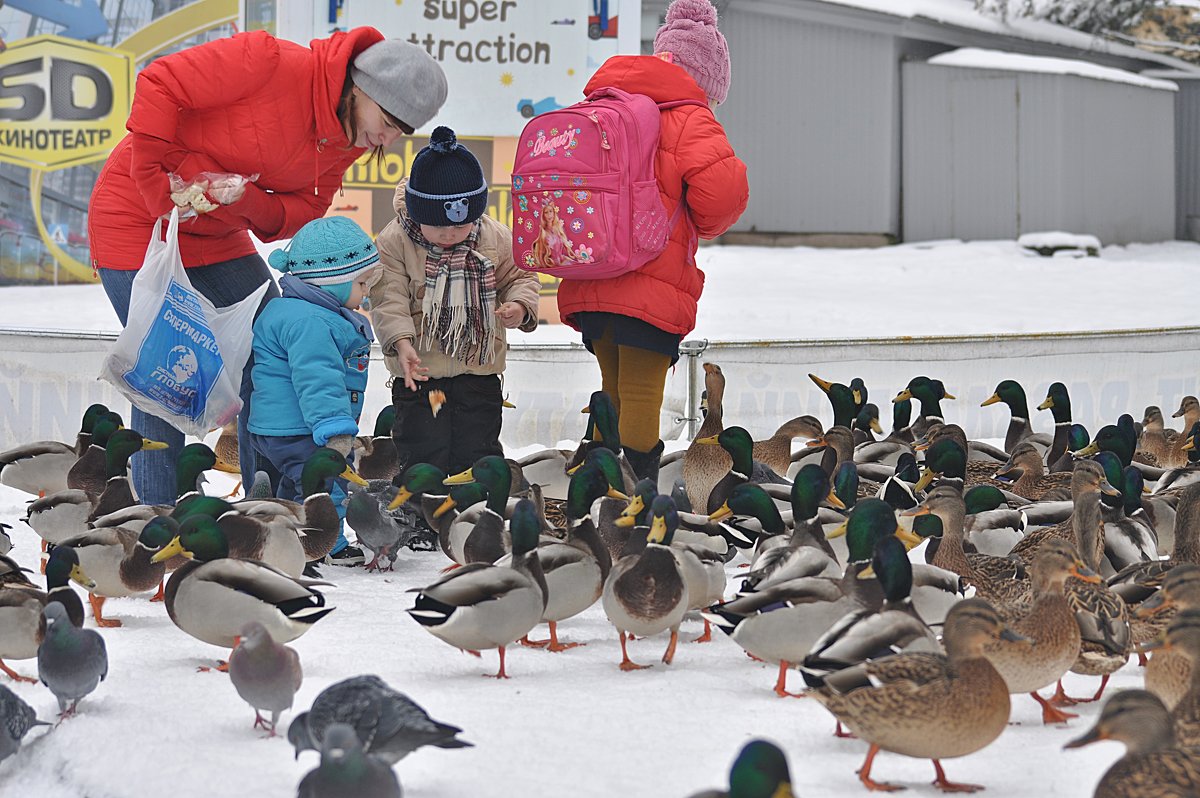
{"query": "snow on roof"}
pixel 975 58
pixel 962 13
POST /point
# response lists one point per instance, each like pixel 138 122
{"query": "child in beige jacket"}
pixel 449 291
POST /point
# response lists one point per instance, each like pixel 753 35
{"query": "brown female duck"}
pixel 1168 672
pixel 1048 622
pixel 1153 767
pixel 1025 475
pixel 925 705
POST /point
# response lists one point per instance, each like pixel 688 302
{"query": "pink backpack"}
pixel 585 202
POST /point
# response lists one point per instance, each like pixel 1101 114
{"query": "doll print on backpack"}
pixel 552 247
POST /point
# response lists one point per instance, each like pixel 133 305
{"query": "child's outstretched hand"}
pixel 410 362
pixel 511 314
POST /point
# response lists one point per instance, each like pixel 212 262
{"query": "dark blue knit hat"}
pixel 327 252
pixel 446 186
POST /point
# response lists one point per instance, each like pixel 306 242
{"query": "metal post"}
pixel 692 350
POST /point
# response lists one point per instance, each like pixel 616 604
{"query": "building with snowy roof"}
pixel 901 120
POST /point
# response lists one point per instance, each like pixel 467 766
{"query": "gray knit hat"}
pixel 403 79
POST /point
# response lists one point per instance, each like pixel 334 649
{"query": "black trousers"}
pixel 465 429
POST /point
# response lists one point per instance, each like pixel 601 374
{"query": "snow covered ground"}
pixel 572 723
pixel 928 288
pixel 564 724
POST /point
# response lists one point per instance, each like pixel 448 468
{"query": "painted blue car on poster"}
pixel 529 109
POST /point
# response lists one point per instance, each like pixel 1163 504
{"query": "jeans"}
pixel 223 284
pixel 288 453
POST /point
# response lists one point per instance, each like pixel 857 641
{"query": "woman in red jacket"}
pixel 634 323
pixel 250 104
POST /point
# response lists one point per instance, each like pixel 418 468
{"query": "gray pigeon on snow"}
pixel 389 724
pixel 376 528
pixel 266 674
pixel 16 719
pixel 71 662
pixel 5 540
pixel 346 771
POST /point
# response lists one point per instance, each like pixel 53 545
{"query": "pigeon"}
pixel 376 528
pixel 16 719
pixel 5 540
pixel 347 771
pixel 266 674
pixel 71 662
pixel 390 725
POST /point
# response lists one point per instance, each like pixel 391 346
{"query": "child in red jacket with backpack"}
pixel 634 323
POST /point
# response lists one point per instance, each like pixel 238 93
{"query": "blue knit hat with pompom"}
pixel 329 253
pixel 446 186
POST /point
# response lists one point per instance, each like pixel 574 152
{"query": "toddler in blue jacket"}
pixel 311 351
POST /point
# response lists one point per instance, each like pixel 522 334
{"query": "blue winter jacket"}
pixel 310 371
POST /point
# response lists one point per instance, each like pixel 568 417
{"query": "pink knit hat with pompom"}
pixel 690 35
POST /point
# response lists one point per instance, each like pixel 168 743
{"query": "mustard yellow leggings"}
pixel 636 380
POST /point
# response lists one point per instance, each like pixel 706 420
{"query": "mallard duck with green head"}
pixel 760 771
pixel 980 459
pixel 58 516
pixel 1058 402
pixel 214 596
pixel 872 632
pixel 41 467
pixel 21 623
pixel 1129 533
pixel 483 535
pixel 88 472
pixel 738 444
pixel 604 430
pixel 929 394
pixel 576 567
pixel 119 561
pixel 484 606
pixel 645 593
pixel 194 459
pixel 842 398
pixel 1012 395
pixel 780 621
pixel 318 519
pixel 924 705
pixel 802 549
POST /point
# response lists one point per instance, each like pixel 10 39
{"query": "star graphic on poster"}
pixel 506 78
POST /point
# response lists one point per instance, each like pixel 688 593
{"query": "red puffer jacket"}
pixel 692 149
pixel 247 104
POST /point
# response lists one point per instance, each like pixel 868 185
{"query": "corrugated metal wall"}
pixel 1187 164
pixel 813 112
pixel 994 154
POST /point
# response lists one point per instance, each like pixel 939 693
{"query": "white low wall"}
pixel 48 378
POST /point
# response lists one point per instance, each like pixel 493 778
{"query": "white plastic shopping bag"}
pixel 179 357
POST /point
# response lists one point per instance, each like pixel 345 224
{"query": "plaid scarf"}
pixel 460 298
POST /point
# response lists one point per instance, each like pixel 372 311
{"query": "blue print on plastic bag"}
pixel 178 363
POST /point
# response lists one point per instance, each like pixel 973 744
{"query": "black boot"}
pixel 644 464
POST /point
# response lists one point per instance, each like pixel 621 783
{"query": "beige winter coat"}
pixel 396 297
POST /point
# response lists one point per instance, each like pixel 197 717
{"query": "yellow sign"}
pixel 62 102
